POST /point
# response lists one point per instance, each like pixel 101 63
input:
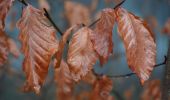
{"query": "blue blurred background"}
pixel 156 12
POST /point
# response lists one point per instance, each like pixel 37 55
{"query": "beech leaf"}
pixel 4 8
pixel 102 37
pixel 152 90
pixel 3 48
pixel 39 43
pixel 64 82
pixel 81 54
pixel 76 13
pixel 102 88
pixel 139 43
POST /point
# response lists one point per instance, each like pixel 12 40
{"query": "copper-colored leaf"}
pixel 4 8
pixel 76 13
pixel 3 48
pixel 81 55
pixel 64 82
pixel 152 91
pixel 139 43
pixel 13 47
pixel 101 89
pixel 38 45
pixel 62 43
pixel 102 37
pixel 166 28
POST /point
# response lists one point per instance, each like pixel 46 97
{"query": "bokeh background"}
pixel 155 12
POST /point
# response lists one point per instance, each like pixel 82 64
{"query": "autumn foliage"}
pixel 87 45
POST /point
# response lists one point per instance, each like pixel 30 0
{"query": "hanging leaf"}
pixel 13 47
pixel 38 40
pixel 166 28
pixel 3 48
pixel 81 55
pixel 4 8
pixel 102 37
pixel 64 82
pixel 139 43
pixel 101 89
pixel 152 90
pixel 62 43
pixel 76 13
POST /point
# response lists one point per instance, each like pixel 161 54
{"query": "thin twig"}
pixel 93 23
pixel 52 22
pixel 23 2
pixel 130 74
pixel 47 15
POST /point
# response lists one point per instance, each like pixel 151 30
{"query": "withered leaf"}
pixel 81 55
pixel 101 89
pixel 3 48
pixel 39 43
pixel 4 8
pixel 152 90
pixel 64 82
pixel 62 43
pixel 166 28
pixel 139 43
pixel 102 37
pixel 13 49
pixel 76 13
pixel 7 45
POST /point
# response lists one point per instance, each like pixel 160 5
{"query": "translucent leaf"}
pixel 76 13
pixel 139 43
pixel 4 8
pixel 102 37
pixel 39 43
pixel 81 55
pixel 64 82
pixel 101 89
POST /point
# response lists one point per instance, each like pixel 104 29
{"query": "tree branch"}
pixel 52 22
pixel 130 74
pixel 118 5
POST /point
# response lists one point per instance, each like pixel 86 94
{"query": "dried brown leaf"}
pixel 76 13
pixel 102 37
pixel 13 47
pixel 3 48
pixel 166 28
pixel 101 89
pixel 4 8
pixel 152 91
pixel 39 43
pixel 81 55
pixel 64 82
pixel 62 43
pixel 139 43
